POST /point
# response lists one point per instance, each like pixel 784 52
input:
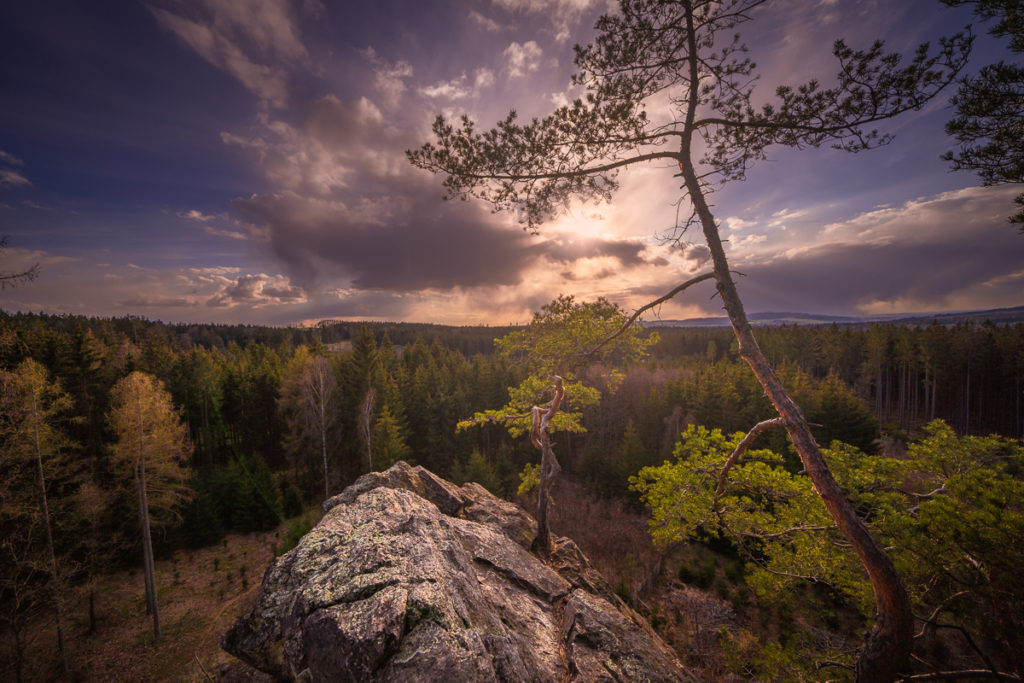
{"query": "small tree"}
pixel 31 405
pixel 685 55
pixel 389 444
pixel 563 337
pixel 152 444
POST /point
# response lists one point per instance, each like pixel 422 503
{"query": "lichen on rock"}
pixel 411 578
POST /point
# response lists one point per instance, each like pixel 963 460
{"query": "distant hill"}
pixel 998 316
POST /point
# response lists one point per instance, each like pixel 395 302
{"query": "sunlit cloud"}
pixel 195 215
pixel 450 90
pixel 521 59
pixel 258 290
pixel 389 77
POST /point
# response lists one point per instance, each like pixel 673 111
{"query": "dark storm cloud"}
pixel 844 277
pixel 393 244
pixel 697 254
pixel 627 252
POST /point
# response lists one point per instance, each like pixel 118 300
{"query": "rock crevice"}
pixel 411 578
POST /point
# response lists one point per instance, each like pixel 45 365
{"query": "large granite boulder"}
pixel 411 578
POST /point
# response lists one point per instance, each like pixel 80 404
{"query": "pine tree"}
pixel 152 444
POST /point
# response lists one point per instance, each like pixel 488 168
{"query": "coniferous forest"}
pixel 249 428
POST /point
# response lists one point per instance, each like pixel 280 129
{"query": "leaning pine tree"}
pixel 686 53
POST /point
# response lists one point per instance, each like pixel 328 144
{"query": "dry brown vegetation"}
pixel 201 593
pixel 614 537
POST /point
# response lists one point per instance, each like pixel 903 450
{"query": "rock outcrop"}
pixel 411 578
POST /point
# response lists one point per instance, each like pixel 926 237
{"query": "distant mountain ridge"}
pixel 998 316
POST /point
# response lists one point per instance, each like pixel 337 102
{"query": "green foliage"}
pixel 750 658
pixel 559 340
pixel 295 529
pixel 950 512
pixel 529 479
pixel 388 441
pixel 479 469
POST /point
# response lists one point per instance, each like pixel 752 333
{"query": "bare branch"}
pixel 647 307
pixel 974 646
pixel 942 605
pixel 741 448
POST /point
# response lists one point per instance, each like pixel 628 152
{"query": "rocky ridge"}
pixel 410 578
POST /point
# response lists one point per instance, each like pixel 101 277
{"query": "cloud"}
pixel 521 59
pixel 455 89
pixel 195 215
pixel 484 79
pixel 255 41
pixel 389 77
pixel 486 23
pixel 696 254
pixel 570 248
pixel 735 224
pixel 409 241
pixel 338 142
pixel 749 240
pixel 952 250
pixel 10 159
pixel 11 178
pixel 563 14
pixel 256 291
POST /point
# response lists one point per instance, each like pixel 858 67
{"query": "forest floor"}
pixel 201 593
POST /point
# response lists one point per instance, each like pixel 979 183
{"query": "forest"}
pixel 260 424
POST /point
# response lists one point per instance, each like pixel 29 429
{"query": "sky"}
pixel 243 161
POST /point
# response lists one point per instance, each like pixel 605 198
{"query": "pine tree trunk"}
pixel 542 543
pixel 58 591
pixel 888 646
pixel 540 437
pixel 19 656
pixel 147 550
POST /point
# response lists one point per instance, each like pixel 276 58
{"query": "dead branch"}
pixel 930 620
